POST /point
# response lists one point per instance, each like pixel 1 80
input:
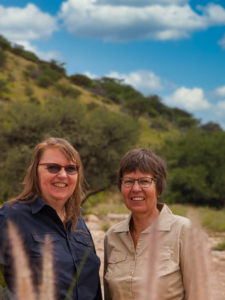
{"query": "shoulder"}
pixel 115 229
pixel 14 211
pixel 174 223
pixel 180 225
pixel 181 221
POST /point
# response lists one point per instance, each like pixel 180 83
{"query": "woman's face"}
pixel 137 199
pixel 55 188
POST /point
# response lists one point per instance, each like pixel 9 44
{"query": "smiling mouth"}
pixel 60 185
pixel 138 199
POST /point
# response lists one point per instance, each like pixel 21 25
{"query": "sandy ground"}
pixel 217 258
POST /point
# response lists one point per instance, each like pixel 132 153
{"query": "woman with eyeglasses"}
pixel 129 245
pixel 50 205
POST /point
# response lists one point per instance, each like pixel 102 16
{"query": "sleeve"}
pixel 99 291
pixel 185 259
pixel 195 263
pixel 5 293
pixel 107 295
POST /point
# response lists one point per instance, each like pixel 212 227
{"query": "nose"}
pixel 136 186
pixel 62 172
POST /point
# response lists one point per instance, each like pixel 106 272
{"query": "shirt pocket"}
pixel 163 263
pixel 85 249
pixel 39 240
pixel 116 264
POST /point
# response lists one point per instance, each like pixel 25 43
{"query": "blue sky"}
pixel 173 48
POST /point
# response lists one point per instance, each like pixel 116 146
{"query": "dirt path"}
pixel 217 263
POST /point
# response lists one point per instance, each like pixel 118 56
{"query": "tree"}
pixel 81 80
pixel 100 136
pixel 211 126
pixel 4 44
pixel 196 163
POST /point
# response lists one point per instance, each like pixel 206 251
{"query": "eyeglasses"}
pixel 144 182
pixel 55 168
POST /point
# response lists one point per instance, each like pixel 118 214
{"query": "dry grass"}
pixel 23 285
pixel 24 288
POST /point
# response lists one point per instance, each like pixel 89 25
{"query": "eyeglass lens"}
pixel 70 169
pixel 143 182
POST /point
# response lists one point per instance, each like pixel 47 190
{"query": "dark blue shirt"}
pixel 73 252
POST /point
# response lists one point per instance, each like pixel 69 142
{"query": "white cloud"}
pixel 28 23
pixel 220 91
pixel 140 2
pixel 221 42
pixel 88 18
pixel 141 79
pixel 220 108
pixel 43 55
pixel 190 99
pixel 91 75
pixel 194 101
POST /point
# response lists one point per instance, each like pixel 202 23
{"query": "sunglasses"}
pixel 55 168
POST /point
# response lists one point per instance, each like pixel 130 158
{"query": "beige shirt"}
pixel 126 269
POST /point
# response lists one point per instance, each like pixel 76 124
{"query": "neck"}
pixel 59 208
pixel 140 222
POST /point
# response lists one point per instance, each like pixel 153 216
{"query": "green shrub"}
pixel 219 246
pixel 68 91
pixel 3 86
pixel 95 95
pixel 28 91
pixel 106 101
pixel 34 73
pixel 4 44
pixel 186 122
pixel 11 78
pixel 45 81
pixel 3 57
pixel 57 66
pixel 30 67
pixel 92 105
pixel 29 56
pixel 17 50
pixel 26 74
pixel 53 74
pixel 34 100
pixel 81 80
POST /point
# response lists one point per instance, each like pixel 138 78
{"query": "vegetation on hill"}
pixel 103 119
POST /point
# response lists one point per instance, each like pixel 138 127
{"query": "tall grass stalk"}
pixel 199 261
pixel 152 275
pixel 47 285
pixel 23 285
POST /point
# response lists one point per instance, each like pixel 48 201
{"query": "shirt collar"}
pixel 163 220
pixel 37 205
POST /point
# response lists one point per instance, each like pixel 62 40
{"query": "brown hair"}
pixel 31 182
pixel 146 162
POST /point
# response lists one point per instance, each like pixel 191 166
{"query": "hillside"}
pixel 17 84
pixel 103 119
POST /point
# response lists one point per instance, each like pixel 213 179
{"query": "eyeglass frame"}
pixel 48 164
pixel 153 179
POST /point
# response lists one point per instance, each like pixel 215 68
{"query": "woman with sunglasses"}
pixel 50 205
pixel 131 246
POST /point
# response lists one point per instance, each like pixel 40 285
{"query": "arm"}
pixel 99 291
pixel 107 295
